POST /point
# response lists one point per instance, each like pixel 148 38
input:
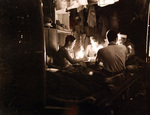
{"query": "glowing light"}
pixel 91 59
pixel 92 50
pixel 100 46
pixel 80 54
pixel 120 36
pixel 52 69
pixel 21 36
pixel 101 63
pixel 91 73
pixel 130 47
pixel 119 39
pixel 95 45
pixel 41 4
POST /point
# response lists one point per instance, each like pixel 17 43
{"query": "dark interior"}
pixel 28 84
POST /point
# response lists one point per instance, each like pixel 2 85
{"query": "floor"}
pixel 136 105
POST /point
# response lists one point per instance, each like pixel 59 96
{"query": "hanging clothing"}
pixel 61 5
pixel 91 20
pixel 102 25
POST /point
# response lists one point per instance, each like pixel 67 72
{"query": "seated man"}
pixel 127 42
pixel 133 62
pixel 91 50
pixel 113 57
pixel 63 57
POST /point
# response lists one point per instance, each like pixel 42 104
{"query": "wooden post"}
pixel 148 59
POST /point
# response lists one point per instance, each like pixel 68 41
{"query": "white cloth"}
pixel 70 4
pixel 76 4
pixel 103 3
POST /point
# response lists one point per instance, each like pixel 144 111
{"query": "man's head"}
pixel 70 41
pixel 111 35
pixel 122 37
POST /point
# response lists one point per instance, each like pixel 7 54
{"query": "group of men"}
pixel 111 58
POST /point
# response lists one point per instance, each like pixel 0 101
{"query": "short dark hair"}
pixel 69 38
pixel 111 35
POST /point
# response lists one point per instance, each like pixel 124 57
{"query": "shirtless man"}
pixel 63 57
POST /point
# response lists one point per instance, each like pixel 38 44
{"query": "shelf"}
pixel 63 17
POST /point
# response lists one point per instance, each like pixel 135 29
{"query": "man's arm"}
pixel 99 61
pixel 70 59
